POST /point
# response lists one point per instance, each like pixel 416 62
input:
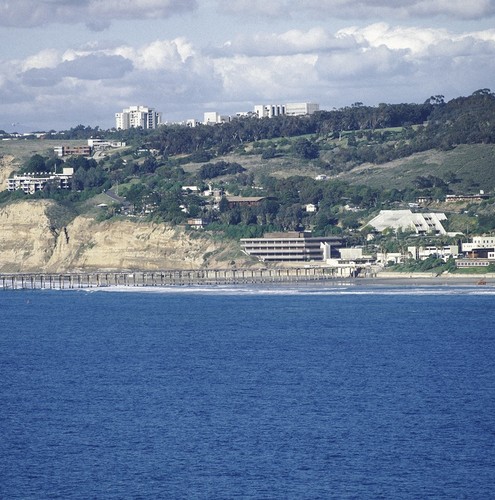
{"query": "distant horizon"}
pixel 231 114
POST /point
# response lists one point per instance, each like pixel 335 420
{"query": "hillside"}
pixel 127 207
pixel 473 165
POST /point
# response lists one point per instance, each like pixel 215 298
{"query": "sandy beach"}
pixel 428 279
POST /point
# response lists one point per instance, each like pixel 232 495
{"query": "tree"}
pixel 303 148
pixel 35 164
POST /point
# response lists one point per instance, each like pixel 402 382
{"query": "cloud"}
pixel 90 84
pixel 360 9
pixel 90 67
pixel 370 64
pixel 290 42
pixel 97 14
pixel 376 63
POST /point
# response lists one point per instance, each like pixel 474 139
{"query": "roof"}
pixel 407 220
pixel 245 199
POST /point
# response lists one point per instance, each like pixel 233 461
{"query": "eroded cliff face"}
pixel 26 237
pixel 7 165
pixel 29 242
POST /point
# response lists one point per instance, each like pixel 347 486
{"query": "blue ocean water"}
pixel 248 393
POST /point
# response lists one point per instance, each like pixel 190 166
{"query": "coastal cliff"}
pixel 30 241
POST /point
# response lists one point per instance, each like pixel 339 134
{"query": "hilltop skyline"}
pixel 66 62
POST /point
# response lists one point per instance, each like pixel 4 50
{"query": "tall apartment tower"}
pixel 137 116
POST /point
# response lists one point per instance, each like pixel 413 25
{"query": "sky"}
pixel 70 62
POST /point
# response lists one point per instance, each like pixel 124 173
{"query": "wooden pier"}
pixel 61 281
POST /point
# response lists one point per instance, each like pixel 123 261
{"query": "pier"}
pixel 84 280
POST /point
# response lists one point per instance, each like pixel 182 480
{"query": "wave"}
pixel 310 290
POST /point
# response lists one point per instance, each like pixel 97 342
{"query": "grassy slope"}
pixel 474 164
pixel 22 150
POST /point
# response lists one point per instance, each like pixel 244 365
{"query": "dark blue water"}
pixel 375 394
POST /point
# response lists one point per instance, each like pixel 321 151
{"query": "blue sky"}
pixel 66 62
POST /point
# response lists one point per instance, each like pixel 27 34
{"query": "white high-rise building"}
pixel 137 116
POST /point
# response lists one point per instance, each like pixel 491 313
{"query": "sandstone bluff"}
pixel 30 241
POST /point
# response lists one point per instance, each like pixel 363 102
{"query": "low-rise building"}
pixel 466 263
pixel 301 108
pixel 480 252
pixel 288 247
pixel 442 252
pixel 62 151
pixel 350 261
pixel 196 222
pixel 290 109
pixel 480 246
pixel 99 144
pixel 30 183
pixel 406 220
pixel 245 201
pixel 212 118
pixel 453 198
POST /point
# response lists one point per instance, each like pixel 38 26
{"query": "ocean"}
pixel 259 392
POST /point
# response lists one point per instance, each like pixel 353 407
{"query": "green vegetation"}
pixel 431 264
pixel 373 158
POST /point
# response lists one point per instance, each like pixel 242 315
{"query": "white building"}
pixel 442 252
pixel 30 183
pixel 311 208
pixel 269 110
pixel 301 108
pixel 406 220
pixel 103 144
pixel 479 243
pixel 137 116
pixel 212 117
pixel 290 109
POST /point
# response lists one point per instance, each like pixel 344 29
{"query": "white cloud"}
pixel 95 13
pixel 371 64
pixel 288 43
pixel 48 58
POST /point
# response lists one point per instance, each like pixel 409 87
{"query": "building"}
pixel 288 247
pixel 62 151
pixel 442 252
pixel 291 109
pixel 101 144
pixel 480 252
pixel 301 108
pixel 196 222
pixel 245 201
pixel 212 118
pixel 30 183
pixel 269 110
pixel 311 208
pixel 453 198
pixel 480 247
pixel 137 117
pixel 350 262
pixel 463 263
pixel 405 220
